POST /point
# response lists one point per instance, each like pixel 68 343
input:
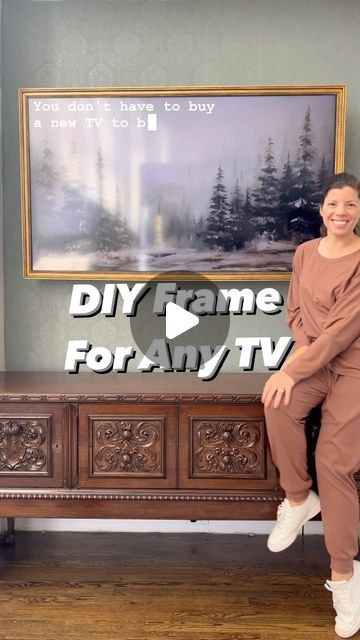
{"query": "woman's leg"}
pixel 286 433
pixel 337 458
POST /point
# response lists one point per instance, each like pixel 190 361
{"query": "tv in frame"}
pixel 122 183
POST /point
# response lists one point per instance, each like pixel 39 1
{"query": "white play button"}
pixel 174 328
pixel 178 320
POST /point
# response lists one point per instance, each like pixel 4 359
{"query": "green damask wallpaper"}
pixel 64 43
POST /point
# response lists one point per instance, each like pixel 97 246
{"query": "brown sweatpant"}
pixel 337 456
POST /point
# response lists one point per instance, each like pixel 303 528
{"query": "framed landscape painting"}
pixel 128 183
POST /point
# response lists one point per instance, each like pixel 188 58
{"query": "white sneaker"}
pixel 346 601
pixel 290 520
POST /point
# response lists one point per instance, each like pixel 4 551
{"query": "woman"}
pixel 323 312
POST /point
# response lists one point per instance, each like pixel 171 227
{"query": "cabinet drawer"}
pixel 127 445
pixel 224 447
pixel 33 443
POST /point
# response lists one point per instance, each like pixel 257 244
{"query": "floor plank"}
pixel 121 586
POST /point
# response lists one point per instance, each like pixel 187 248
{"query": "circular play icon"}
pixel 181 322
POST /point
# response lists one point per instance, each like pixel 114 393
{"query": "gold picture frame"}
pixel 132 183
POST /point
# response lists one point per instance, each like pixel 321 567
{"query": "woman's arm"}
pixel 293 314
pixel 279 386
pixel 341 328
pixel 298 351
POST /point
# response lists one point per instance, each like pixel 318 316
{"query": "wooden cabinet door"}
pixel 33 445
pixel 127 445
pixel 224 447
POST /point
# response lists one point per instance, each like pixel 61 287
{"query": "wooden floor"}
pixel 120 586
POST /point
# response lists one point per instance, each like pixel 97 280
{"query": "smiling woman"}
pixel 323 314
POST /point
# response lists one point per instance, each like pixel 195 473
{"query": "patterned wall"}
pixel 2 306
pixel 49 43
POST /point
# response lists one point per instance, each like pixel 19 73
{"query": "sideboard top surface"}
pixel 161 386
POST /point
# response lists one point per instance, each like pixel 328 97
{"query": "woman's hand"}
pixel 277 388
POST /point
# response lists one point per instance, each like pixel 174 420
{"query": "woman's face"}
pixel 341 211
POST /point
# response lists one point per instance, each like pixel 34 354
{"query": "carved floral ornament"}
pixel 128 446
pixel 22 445
pixel 228 447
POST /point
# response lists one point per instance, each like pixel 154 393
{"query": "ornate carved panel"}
pixel 227 447
pixel 128 446
pixel 25 445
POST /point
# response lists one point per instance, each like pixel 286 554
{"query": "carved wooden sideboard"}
pixel 135 446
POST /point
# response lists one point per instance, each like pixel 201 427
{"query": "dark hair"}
pixel 339 181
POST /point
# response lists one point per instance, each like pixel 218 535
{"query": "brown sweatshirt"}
pixel 323 311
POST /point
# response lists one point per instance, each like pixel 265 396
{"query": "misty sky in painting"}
pixel 178 161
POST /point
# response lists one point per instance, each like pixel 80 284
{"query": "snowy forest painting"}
pixel 224 183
